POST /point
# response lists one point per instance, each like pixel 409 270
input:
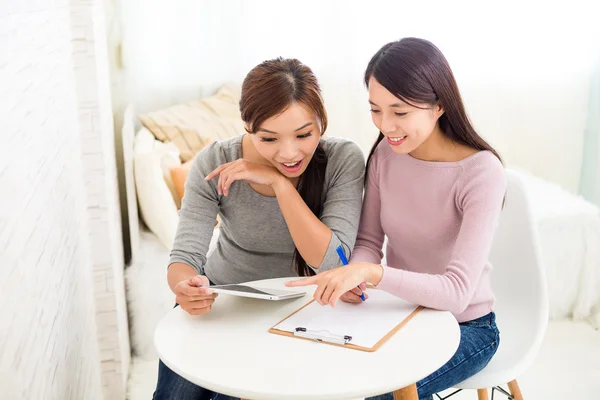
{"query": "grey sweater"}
pixel 254 242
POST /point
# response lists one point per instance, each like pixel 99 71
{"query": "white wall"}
pixel 100 179
pixel 63 331
pixel 524 69
pixel 48 347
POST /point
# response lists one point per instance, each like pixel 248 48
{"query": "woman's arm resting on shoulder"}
pixel 318 238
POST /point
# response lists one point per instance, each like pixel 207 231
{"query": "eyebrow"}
pixel 393 105
pixel 275 133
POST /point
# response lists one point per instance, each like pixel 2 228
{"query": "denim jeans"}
pixel 479 340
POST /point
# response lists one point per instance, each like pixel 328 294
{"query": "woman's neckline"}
pixel 444 164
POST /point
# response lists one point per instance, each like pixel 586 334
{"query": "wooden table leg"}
pixel 513 386
pixel 407 393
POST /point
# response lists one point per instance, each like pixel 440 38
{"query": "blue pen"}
pixel 340 252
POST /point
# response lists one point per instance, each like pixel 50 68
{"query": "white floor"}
pixel 567 368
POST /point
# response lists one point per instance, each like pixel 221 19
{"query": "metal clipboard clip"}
pixel 322 336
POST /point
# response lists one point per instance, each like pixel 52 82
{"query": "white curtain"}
pixel 590 169
pixel 524 69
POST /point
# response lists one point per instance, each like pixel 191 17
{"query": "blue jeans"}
pixel 479 340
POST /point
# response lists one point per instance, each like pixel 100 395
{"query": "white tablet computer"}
pixel 256 292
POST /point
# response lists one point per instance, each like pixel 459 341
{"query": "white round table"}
pixel 230 351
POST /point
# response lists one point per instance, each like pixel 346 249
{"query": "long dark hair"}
pixel 270 88
pixel 415 71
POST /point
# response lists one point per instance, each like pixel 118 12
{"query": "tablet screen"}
pixel 242 288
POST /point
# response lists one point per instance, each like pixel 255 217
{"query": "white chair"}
pixel 519 284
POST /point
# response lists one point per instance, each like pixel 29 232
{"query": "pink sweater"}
pixel 439 218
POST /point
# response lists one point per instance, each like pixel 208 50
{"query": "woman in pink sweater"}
pixel 435 188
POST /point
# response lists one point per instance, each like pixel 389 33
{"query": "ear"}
pixel 439 110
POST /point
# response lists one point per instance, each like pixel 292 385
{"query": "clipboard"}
pixel 359 326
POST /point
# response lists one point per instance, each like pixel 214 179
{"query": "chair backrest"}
pixel 518 276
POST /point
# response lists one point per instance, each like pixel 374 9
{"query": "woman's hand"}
pixel 246 171
pixel 194 296
pixel 331 285
pixel 353 295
